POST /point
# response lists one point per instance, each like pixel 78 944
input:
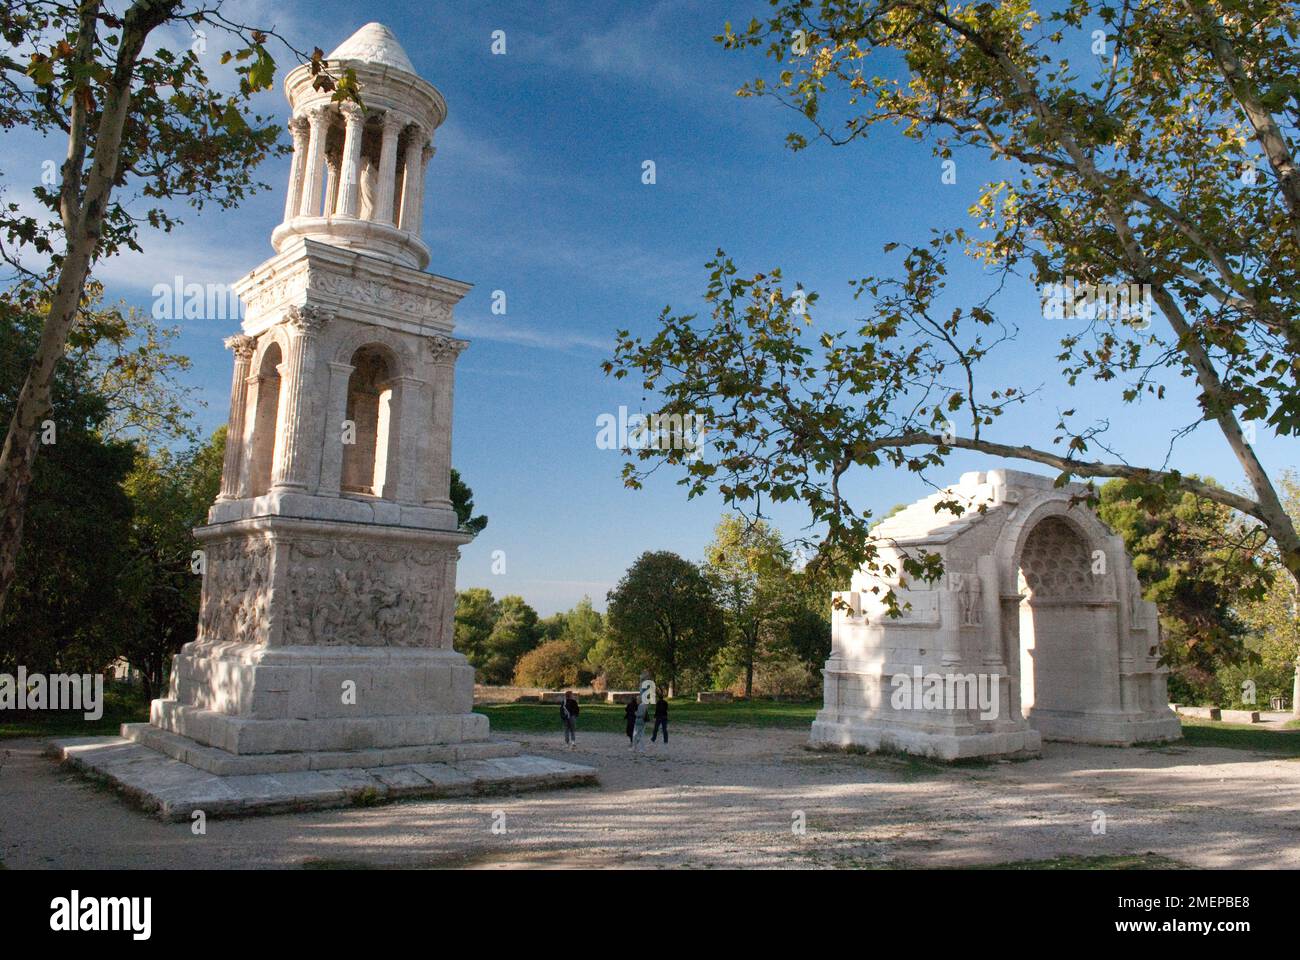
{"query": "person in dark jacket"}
pixel 629 713
pixel 661 720
pixel 569 718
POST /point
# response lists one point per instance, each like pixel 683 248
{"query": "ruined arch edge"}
pixel 981 664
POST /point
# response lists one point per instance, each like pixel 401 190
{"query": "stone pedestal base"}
pixel 246 699
pixel 175 790
pixel 833 732
pixel 225 763
pixel 1111 729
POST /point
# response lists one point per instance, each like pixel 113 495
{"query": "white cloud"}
pixel 185 252
pixel 547 339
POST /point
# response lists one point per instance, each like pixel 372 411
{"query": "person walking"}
pixel 569 718
pixel 629 715
pixel 645 699
pixel 661 720
pixel 638 727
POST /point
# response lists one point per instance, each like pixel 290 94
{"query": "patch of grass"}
pixel 367 797
pixel 1123 861
pixel 1240 736
pixel 609 717
pixel 122 704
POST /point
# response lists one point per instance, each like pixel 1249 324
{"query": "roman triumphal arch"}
pixel 1037 630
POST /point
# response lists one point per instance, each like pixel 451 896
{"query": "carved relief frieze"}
pixel 364 594
pixel 236 591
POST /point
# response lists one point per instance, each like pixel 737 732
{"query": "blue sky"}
pixel 536 190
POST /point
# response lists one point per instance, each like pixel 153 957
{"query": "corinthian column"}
pixel 331 183
pixel 298 128
pixel 412 177
pixel 318 122
pixel 387 168
pixel 425 156
pixel 350 176
pixel 243 348
pixel 290 458
pixel 444 351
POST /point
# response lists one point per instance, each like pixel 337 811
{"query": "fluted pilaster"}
pixel 443 352
pixel 387 169
pixel 295 397
pixel 350 184
pixel 243 348
pixel 298 128
pixel 425 156
pixel 412 179
pixel 318 127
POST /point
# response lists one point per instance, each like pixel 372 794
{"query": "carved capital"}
pixel 319 115
pixel 445 349
pixel 243 346
pixel 391 124
pixel 307 319
pixel 353 115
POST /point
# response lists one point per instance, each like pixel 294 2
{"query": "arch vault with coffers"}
pixel 1037 630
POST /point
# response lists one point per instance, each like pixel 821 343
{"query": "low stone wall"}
pixel 1203 713
pixel 622 696
pixel 484 693
pixel 714 696
pixel 1240 716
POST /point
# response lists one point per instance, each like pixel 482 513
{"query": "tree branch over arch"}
pixel 1135 169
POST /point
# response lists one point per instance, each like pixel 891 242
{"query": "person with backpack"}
pixel 569 718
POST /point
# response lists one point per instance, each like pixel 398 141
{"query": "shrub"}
pixel 1192 685
pixel 787 677
pixel 553 665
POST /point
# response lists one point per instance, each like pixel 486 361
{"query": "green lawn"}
pixel 608 717
pixel 129 706
pixel 121 705
pixel 1240 736
pixel 125 705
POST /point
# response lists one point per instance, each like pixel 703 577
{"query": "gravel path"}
pixel 716 797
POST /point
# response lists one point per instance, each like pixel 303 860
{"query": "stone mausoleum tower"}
pixel 325 635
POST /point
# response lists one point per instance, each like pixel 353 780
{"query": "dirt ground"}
pixel 716 797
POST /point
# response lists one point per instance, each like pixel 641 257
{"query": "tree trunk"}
pixel 83 224
pixel 749 671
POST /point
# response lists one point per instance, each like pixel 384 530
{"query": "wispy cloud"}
pixel 548 339
pixel 183 253
pixel 462 152
pixel 645 48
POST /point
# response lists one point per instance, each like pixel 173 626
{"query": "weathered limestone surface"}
pixel 329 588
pixel 1038 599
